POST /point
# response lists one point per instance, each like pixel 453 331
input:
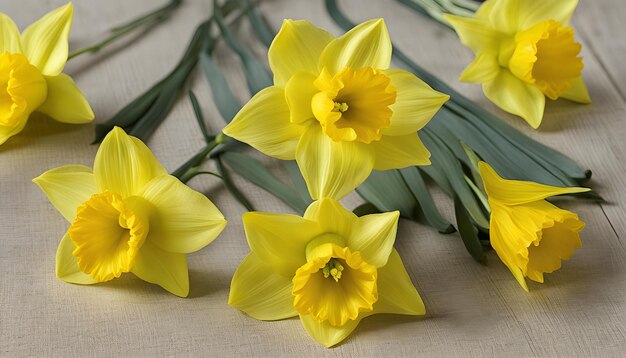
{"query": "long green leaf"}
pixel 223 97
pixel 298 180
pixel 388 192
pixel 231 187
pixel 468 232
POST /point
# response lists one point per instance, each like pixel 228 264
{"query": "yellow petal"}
pixel 66 265
pixel 416 103
pixel 299 92
pixel 483 69
pixel 67 187
pixel 166 269
pixel 396 293
pixel 46 40
pixel 332 169
pixel 65 102
pixel 578 92
pixel 501 234
pixel 475 33
pixel 182 219
pixel 516 192
pixel 296 48
pixel 400 152
pixel 514 96
pixel 279 240
pixel 331 216
pixel 534 12
pixel 373 236
pixel 366 45
pixel 9 35
pixel 260 292
pixel 326 334
pixel 484 10
pixel 264 124
pixel 124 164
pixel 504 15
pixel 8 132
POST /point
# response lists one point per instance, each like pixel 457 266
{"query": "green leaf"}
pixel 255 172
pixel 231 187
pixel 223 97
pixel 259 23
pixel 298 180
pixel 365 209
pixel 468 232
pixel 387 191
pixel 199 117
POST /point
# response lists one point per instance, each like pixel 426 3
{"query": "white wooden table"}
pixel 473 309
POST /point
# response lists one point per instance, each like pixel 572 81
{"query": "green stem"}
pixel 190 168
pixel 478 193
pixel 150 19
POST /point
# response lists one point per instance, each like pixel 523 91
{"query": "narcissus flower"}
pixel 128 215
pixel 330 267
pixel 525 51
pixel 530 235
pixel 337 108
pixel 30 73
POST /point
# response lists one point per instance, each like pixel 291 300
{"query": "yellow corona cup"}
pixel 525 51
pixel 30 73
pixel 329 267
pixel 128 215
pixel 337 108
pixel 530 235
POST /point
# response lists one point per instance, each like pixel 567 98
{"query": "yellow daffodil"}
pixel 330 267
pixel 530 235
pixel 128 215
pixel 30 73
pixel 525 51
pixel 337 108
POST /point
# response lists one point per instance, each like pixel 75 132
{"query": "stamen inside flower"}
pixel 354 105
pixel 108 232
pixel 546 56
pixel 22 89
pixel 335 285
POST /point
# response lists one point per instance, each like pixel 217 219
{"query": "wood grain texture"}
pixel 473 310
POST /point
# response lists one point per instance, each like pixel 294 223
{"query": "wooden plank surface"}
pixel 473 310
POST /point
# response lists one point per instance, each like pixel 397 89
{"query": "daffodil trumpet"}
pixel 31 78
pixel 329 267
pixel 530 235
pixel 128 215
pixel 525 51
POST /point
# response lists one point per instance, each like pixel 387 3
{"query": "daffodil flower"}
pixel 337 108
pixel 128 215
pixel 530 235
pixel 525 51
pixel 330 267
pixel 30 73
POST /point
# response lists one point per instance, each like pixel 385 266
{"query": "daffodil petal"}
pixel 514 96
pixel 500 233
pixel 45 41
pixel 416 103
pixel 578 92
pixel 484 10
pixel 279 240
pixel 299 92
pixel 396 293
pixel 534 12
pixel 475 33
pixel 260 292
pixel 124 164
pixel 516 192
pixel 182 219
pixel 166 269
pixel 373 236
pixel 65 103
pixel 7 132
pixel 400 152
pixel 264 124
pixel 67 188
pixel 66 265
pixel 366 45
pixel 9 35
pixel 326 334
pixel 331 216
pixel 504 15
pixel 483 69
pixel 296 48
pixel 332 169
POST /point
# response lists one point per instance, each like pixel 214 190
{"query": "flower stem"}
pixel 478 193
pixel 150 19
pixel 191 167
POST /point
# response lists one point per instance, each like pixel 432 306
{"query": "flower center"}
pixel 353 105
pixel 546 56
pixel 335 285
pixel 108 232
pixel 22 89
